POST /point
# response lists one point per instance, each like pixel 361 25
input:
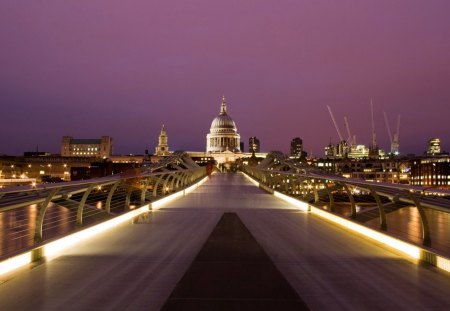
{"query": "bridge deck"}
pixel 138 266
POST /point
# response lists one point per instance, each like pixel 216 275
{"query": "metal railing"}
pixel 24 210
pixel 416 214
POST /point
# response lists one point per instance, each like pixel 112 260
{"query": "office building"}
pixel 253 144
pixel 80 147
pixel 296 148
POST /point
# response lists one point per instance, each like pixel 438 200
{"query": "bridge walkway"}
pixel 137 266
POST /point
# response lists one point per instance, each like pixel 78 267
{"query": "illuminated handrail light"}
pixel 14 263
pixel 408 249
pixel 53 249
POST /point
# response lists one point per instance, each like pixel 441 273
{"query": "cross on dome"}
pixel 223 106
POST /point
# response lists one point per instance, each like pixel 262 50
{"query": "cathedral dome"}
pixel 223 122
pixel 223 134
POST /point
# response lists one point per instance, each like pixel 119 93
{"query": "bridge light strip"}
pixel 443 263
pixel 160 203
pixel 251 180
pixel 53 249
pixel 15 262
pixel 404 247
pixel 195 186
pixel 297 203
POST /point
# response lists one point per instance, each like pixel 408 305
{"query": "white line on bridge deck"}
pixel 137 266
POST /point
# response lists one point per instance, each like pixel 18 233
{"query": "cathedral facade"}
pixel 223 135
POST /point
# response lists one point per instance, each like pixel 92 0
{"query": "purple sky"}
pixel 87 68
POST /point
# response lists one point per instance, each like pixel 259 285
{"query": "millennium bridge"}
pixel 277 236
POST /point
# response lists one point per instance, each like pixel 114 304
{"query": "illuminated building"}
pixel 223 134
pixel 253 144
pixel 431 172
pixel 296 148
pixel 163 148
pixel 393 171
pixel 434 146
pixel 76 147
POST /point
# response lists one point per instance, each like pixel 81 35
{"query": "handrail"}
pixel 99 198
pixel 279 173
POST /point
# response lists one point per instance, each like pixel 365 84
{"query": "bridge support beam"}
pixel 81 205
pixel 178 183
pixel 155 189
pixel 184 179
pixel 40 218
pixel 383 224
pixel 128 197
pixel 172 182
pixel 330 197
pixel 165 188
pixel 352 201
pixel 144 190
pixel 316 194
pixel 426 238
pixel 110 195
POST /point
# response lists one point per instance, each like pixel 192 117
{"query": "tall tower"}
pixel 296 147
pixel 434 146
pixel 253 144
pixel 163 148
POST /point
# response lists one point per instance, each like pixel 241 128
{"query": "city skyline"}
pixel 124 69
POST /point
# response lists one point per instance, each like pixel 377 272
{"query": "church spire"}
pixel 163 148
pixel 223 106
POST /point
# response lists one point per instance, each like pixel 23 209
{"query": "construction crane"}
pixel 395 144
pixel 393 139
pixel 351 140
pixel 387 127
pixel 374 136
pixel 335 124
